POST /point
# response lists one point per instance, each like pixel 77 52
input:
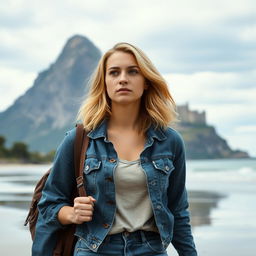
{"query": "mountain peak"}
pixel 75 48
pixel 77 42
pixel 49 107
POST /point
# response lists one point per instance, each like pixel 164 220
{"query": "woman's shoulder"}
pixel 70 134
pixel 68 139
pixel 172 133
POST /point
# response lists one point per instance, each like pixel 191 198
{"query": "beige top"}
pixel 134 210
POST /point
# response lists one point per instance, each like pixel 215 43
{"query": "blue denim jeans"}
pixel 139 243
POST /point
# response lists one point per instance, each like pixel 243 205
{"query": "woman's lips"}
pixel 123 90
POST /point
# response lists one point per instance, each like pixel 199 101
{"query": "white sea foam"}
pixel 223 170
pixel 17 180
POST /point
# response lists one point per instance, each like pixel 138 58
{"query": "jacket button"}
pixel 153 183
pixel 110 202
pixel 94 246
pixel 110 179
pixel 87 167
pixel 112 160
pixel 106 225
pixel 167 168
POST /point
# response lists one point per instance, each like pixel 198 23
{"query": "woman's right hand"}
pixel 83 209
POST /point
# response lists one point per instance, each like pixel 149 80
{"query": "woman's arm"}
pixel 56 205
pixel 178 204
pixel 60 184
pixel 82 211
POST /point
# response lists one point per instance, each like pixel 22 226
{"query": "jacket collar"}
pixel 101 132
pixel 157 133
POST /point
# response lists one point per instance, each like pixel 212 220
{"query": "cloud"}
pixel 214 47
pixel 215 87
pixel 234 92
pixel 228 99
pixel 242 141
pixel 181 36
pixel 13 84
pixel 246 128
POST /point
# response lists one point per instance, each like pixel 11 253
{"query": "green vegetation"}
pixel 19 152
pixel 193 133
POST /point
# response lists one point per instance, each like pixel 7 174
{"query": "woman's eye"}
pixel 113 73
pixel 133 71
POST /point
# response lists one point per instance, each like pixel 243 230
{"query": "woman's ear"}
pixel 146 85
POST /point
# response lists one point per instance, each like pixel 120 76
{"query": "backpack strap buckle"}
pixel 80 181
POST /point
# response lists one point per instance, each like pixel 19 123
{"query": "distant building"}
pixel 188 116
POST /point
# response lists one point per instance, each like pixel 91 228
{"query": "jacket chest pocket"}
pixel 163 168
pixel 91 170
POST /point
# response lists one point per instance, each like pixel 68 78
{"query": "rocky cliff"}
pixel 42 115
pixel 202 142
pixel 201 139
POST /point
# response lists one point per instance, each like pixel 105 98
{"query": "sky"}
pixel 206 50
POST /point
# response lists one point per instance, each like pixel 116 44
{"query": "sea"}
pixel 222 199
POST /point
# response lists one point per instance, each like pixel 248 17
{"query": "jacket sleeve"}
pixel 56 194
pixel 61 182
pixel 178 203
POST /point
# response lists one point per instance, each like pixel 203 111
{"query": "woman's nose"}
pixel 123 78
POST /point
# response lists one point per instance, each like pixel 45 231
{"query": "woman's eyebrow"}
pixel 134 66
pixel 116 67
pixel 113 68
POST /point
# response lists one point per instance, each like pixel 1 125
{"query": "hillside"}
pixel 201 139
pixel 202 142
pixel 41 116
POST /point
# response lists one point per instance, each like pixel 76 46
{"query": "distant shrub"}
pixel 19 151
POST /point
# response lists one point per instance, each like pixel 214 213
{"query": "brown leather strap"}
pixel 81 144
pixel 66 238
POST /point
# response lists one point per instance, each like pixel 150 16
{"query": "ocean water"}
pixel 222 197
pixel 232 229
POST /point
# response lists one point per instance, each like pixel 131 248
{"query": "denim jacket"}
pixel 163 161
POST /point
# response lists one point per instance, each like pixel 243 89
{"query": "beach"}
pixel 221 196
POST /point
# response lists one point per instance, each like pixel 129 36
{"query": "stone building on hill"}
pixel 191 116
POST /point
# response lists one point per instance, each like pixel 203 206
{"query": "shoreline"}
pixel 210 213
pixel 3 163
pixel 14 217
pixel 201 203
pixel 220 197
pixel 17 162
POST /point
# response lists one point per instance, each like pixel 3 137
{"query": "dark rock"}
pixel 42 115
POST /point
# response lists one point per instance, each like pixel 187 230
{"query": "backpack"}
pixel 66 238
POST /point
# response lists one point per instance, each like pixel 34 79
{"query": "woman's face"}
pixel 124 82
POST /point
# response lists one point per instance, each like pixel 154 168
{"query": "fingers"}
pixel 85 199
pixel 92 199
pixel 81 219
pixel 83 209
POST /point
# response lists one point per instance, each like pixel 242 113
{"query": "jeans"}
pixel 139 243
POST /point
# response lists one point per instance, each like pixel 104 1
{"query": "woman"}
pixel 134 167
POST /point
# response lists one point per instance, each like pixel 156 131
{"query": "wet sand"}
pixel 15 238
pixel 14 213
pixel 221 196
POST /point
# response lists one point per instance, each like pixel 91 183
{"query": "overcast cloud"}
pixel 205 49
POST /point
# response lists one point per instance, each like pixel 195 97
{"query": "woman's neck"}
pixel 124 117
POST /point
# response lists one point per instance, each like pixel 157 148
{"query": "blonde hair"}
pixel 157 105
